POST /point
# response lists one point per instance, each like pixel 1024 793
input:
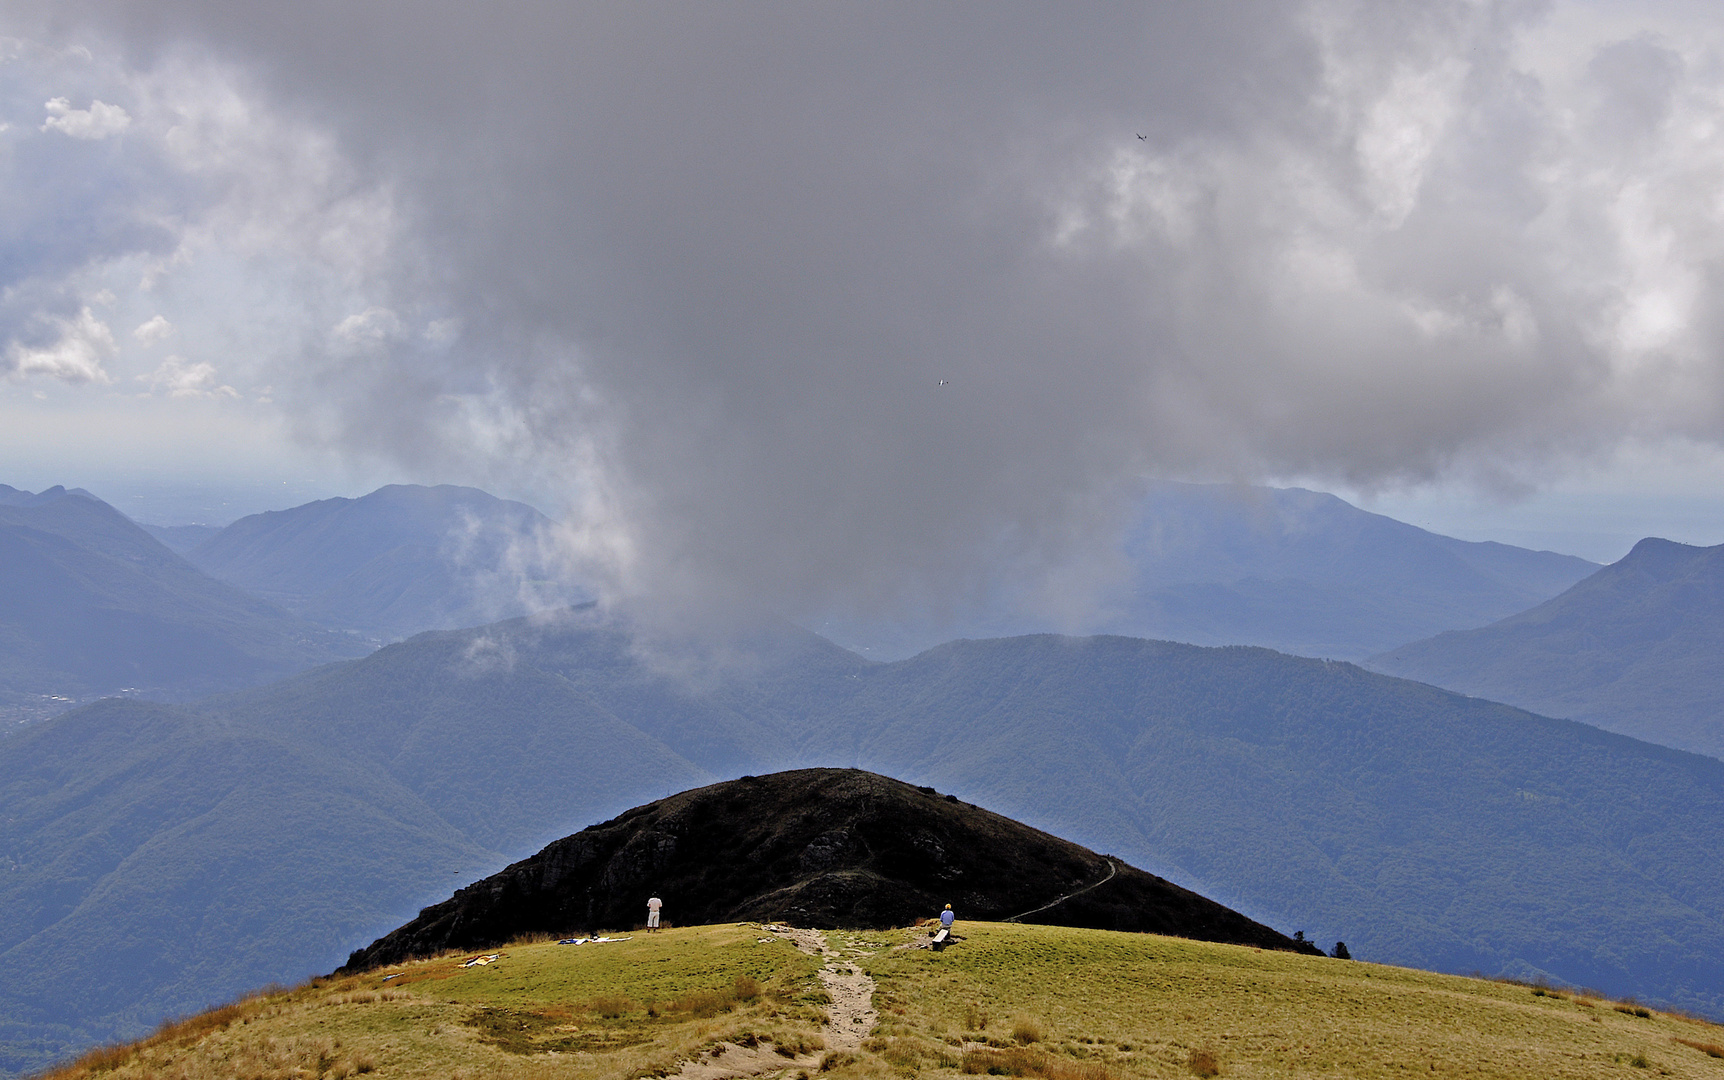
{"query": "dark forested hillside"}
pixel 1422 827
pixel 1634 648
pixel 819 847
pixel 154 859
pixel 1433 829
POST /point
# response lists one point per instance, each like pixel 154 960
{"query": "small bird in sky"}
pixel 942 382
pixel 1145 138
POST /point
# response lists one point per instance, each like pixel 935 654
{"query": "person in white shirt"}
pixel 652 908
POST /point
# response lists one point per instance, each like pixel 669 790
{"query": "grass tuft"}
pixel 1204 1062
pixel 1709 1049
pixel 1028 1061
pixel 612 1006
pixel 1026 1029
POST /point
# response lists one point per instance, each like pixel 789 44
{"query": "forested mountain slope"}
pixel 91 604
pixel 1634 648
pixel 1422 827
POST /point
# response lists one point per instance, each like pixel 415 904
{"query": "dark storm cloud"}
pixel 709 264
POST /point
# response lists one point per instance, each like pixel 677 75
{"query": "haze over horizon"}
pixel 869 305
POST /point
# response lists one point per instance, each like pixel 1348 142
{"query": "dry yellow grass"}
pixel 1102 1006
pixel 1147 1006
pixel 542 1012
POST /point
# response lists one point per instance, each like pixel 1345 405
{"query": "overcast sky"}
pixel 852 304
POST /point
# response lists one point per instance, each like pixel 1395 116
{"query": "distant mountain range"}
pixel 1637 648
pixel 90 604
pixel 1298 571
pixel 396 562
pixel 816 847
pixel 1293 570
pixel 159 857
pixel 154 857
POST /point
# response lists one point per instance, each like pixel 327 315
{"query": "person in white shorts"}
pixel 652 907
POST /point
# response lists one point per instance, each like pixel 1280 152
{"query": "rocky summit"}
pixel 813 847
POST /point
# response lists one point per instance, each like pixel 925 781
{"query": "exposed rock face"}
pixel 814 847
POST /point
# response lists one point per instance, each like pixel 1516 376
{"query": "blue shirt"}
pixel 946 918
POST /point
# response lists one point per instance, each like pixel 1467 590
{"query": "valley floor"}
pixel 719 1002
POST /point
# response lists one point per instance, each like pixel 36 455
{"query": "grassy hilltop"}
pixel 1049 1002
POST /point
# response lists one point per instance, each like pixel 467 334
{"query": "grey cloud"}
pixel 711 262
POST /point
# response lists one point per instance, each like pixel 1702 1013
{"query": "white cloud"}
pixel 442 332
pixel 153 332
pixel 1418 240
pixel 76 357
pixel 99 121
pixel 372 327
pixel 180 378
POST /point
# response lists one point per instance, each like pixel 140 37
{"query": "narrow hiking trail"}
pixel 849 1019
pixel 1112 869
pixel 852 1012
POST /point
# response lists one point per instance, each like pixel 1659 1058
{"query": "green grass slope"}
pixel 1049 1002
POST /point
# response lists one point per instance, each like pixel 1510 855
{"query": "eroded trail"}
pixel 852 1012
pixel 849 1019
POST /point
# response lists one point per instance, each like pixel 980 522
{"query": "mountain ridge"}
pixel 1299 571
pixel 398 561
pixel 1631 648
pixel 818 847
pixel 92 604
pixel 1420 826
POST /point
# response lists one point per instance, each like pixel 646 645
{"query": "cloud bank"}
pixel 867 305
pixel 98 121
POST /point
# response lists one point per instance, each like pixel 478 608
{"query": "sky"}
pixel 854 306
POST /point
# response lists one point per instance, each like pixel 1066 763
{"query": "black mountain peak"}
pixel 816 847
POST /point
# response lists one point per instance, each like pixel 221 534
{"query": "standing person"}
pixel 652 907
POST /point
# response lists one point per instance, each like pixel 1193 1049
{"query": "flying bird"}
pixel 942 382
pixel 1145 138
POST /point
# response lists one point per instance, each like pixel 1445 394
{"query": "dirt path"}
pixel 852 1013
pixel 1112 869
pixel 850 1018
